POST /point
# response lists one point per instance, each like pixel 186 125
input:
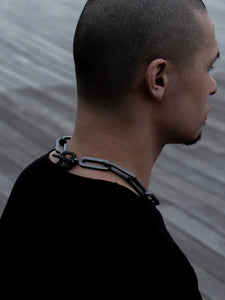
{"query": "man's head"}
pixel 157 49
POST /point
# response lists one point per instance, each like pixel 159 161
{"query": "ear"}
pixel 156 78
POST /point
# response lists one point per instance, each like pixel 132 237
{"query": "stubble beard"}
pixel 195 141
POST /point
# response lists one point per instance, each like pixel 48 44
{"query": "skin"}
pixel 165 105
pixel 187 98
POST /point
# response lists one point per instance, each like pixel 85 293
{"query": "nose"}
pixel 212 86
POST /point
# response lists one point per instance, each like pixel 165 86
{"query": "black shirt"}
pixel 90 237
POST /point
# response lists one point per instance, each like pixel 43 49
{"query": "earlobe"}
pixel 156 79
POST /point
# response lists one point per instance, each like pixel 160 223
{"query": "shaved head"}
pixel 114 39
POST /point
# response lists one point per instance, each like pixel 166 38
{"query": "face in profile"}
pixel 188 106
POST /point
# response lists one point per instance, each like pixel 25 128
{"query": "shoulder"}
pixel 27 185
pixel 37 169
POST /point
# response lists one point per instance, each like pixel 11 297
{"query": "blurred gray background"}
pixel 38 104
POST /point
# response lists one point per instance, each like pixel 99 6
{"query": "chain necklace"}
pixel 68 160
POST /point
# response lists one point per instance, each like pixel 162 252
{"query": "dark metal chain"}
pixel 68 160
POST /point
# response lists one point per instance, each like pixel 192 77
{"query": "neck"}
pixel 132 147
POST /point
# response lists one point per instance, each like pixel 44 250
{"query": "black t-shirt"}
pixel 68 234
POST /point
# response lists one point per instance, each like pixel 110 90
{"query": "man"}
pixel 143 81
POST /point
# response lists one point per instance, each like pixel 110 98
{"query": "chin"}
pixel 186 139
pixel 194 141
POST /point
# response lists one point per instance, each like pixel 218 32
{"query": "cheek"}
pixel 201 84
pixel 186 111
pixel 200 95
pixel 192 111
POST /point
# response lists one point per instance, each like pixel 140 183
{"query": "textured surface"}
pixel 38 104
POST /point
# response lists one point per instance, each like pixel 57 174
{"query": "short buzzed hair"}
pixel 115 38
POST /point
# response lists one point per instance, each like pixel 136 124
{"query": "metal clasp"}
pixel 61 144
